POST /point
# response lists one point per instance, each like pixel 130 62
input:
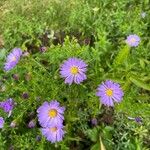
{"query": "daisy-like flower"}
pixel 7 105
pixel 1 122
pixel 50 114
pixel 12 59
pixel 109 92
pixel 53 133
pixel 133 40
pixel 73 70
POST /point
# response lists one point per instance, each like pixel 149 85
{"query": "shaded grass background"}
pixel 94 31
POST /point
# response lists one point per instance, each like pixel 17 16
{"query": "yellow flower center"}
pixel 133 40
pixel 54 129
pixel 13 58
pixel 52 113
pixel 109 92
pixel 74 70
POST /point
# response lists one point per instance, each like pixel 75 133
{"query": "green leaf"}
pixel 2 53
pixel 142 63
pixel 96 146
pixel 139 83
pixel 122 56
pixel 93 134
pixel 102 145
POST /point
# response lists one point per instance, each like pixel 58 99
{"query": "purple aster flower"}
pixel 133 40
pixel 50 114
pixel 73 70
pixel 53 133
pixel 7 105
pixel 1 122
pixel 32 124
pixel 109 92
pixel 12 59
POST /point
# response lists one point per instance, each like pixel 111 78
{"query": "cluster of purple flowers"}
pixel 73 70
pixel 50 117
pixel 7 107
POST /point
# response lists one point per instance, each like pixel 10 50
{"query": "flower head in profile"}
pixel 53 133
pixel 12 59
pixel 32 124
pixel 1 122
pixel 73 70
pixel 133 40
pixel 94 121
pixel 138 119
pixel 13 124
pixel 109 92
pixel 50 113
pixel 7 105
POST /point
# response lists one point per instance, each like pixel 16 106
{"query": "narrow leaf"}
pixel 140 83
pixel 102 145
pixel 122 56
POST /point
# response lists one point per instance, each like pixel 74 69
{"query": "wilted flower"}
pixel 109 92
pixel 28 76
pixel 43 49
pixel 16 77
pixel 25 95
pixel 32 124
pixel 1 122
pixel 133 40
pixel 53 133
pixel 38 138
pixel 73 70
pixel 50 114
pixel 94 121
pixel 12 59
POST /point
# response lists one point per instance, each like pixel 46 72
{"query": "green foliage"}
pixel 94 31
pixel 122 56
pixel 139 83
